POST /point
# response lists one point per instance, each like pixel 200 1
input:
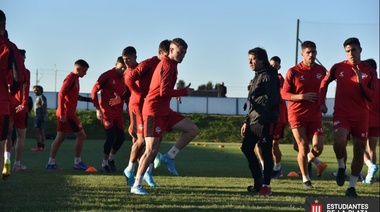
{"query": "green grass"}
pixel 211 179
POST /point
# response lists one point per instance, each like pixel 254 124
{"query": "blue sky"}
pixel 219 34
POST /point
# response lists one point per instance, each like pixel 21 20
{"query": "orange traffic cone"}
pixel 91 169
pixel 293 174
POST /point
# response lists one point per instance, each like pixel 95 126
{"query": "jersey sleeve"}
pixel 330 76
pixel 286 91
pixel 168 75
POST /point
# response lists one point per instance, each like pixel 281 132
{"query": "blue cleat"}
pixel 53 167
pixel 371 176
pixel 80 166
pixel 129 177
pixel 157 160
pixel 276 174
pixel 169 163
pixel 148 178
pixel 138 190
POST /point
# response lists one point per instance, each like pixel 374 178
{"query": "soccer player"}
pixel 278 134
pixel 158 117
pixel 110 83
pixel 355 87
pixel 21 117
pixel 373 130
pixel 138 80
pixel 301 87
pixel 67 121
pixel 41 116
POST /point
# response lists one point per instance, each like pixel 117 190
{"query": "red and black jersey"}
pixel 161 88
pixel 109 83
pixel 68 96
pixel 138 80
pixel 350 96
pixel 22 94
pixel 303 79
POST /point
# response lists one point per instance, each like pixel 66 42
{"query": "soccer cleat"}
pixel 321 168
pixel 20 167
pixel 341 176
pixel 276 174
pixel 80 166
pixel 129 177
pixel 351 193
pixel 7 169
pixel 169 163
pixel 310 168
pixel 308 185
pixel 148 178
pixel 105 169
pixel 111 164
pixel 265 190
pixel 157 160
pixel 371 176
pixel 53 167
pixel 138 190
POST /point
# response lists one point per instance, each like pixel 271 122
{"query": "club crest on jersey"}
pixel 319 76
pixel 302 77
pixel 364 75
pixel 158 129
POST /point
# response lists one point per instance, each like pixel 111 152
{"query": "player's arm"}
pixel 166 89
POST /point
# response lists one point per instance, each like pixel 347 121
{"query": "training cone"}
pixel 91 169
pixel 293 174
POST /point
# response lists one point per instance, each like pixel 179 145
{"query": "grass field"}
pixel 211 179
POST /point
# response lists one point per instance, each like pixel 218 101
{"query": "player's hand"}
pixel 323 109
pixel 358 73
pixel 242 130
pixel 179 99
pixel 19 108
pixel 62 118
pixel 311 97
pixel 99 114
pixel 115 101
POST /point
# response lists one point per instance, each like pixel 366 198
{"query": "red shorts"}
pixel 155 126
pixel 312 127
pixel 279 131
pixel 71 125
pixel 117 121
pixel 374 132
pixel 136 125
pixel 20 120
pixel 4 126
pixel 357 126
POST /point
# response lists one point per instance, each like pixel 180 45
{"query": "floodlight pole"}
pixel 297 40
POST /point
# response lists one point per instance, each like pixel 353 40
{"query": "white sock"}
pixel 51 161
pixel 150 168
pixel 77 160
pixel 305 178
pixel 111 156
pixel 277 166
pixel 369 163
pixel 138 180
pixel 317 162
pixel 104 163
pixel 262 164
pixel 173 152
pixel 7 155
pixel 341 164
pixel 353 181
pixel 131 166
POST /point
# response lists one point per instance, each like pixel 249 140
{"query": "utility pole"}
pixel 37 81
pixel 297 39
pixel 55 78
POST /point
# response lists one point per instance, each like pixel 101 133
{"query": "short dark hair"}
pixel 308 44
pixel 260 54
pixel 39 88
pixel 22 52
pixel 351 41
pixel 120 60
pixel 371 62
pixel 3 18
pixel 129 50
pixel 179 42
pixel 82 63
pixel 164 46
pixel 276 58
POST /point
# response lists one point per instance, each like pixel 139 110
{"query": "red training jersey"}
pixel 161 88
pixel 4 69
pixel 68 96
pixel 22 95
pixel 108 83
pixel 302 79
pixel 138 81
pixel 350 96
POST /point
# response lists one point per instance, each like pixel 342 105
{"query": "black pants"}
pixel 265 142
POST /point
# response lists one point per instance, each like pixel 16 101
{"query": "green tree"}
pixel 180 84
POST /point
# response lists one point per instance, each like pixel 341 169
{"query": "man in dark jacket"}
pixel 264 98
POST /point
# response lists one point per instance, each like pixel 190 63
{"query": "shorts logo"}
pixel 320 130
pixel 141 127
pixel 364 135
pixel 364 75
pixel 336 123
pixel 302 77
pixel 158 129
pixel 107 123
